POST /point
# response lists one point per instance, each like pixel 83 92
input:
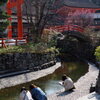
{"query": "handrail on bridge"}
pixel 62 28
pixel 4 42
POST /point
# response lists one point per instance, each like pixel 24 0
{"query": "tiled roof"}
pixel 81 3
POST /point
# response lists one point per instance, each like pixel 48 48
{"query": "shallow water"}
pixel 49 84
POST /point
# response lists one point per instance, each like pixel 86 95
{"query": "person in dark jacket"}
pixel 37 93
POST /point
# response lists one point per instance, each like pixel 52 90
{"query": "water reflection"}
pixel 48 83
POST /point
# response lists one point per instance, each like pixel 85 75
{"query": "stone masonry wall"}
pixel 24 61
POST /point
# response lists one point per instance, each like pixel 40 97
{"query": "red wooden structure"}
pixel 64 11
pixel 4 42
pixel 12 4
pixel 62 28
pixel 71 12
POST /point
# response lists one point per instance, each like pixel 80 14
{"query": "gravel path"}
pixel 82 86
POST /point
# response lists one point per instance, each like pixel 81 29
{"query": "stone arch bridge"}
pixel 72 31
pixel 75 34
pixel 74 42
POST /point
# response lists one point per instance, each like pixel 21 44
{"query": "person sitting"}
pixel 37 93
pixel 67 83
pixel 25 94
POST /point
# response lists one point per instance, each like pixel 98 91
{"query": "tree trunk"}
pixel 34 36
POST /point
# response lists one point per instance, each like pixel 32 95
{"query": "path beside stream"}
pixel 82 86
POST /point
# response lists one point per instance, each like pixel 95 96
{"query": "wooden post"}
pixel 9 12
pixel 11 4
pixel 26 39
pixel 16 42
pixel 2 42
pixel 20 24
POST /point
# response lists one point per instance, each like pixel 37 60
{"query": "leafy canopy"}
pixel 3 18
pixel 97 53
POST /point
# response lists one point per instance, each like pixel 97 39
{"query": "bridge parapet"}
pixel 62 28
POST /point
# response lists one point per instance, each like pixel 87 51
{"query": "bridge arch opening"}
pixel 76 44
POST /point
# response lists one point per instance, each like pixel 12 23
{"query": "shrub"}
pixel 31 47
pixel 47 43
pixel 97 53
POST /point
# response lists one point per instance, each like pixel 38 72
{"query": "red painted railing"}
pixel 4 42
pixel 62 28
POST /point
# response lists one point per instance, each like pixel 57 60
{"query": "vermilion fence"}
pixel 62 28
pixel 4 42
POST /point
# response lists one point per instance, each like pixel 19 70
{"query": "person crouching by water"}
pixel 37 93
pixel 25 94
pixel 67 83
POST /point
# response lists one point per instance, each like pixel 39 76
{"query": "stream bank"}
pixel 82 86
pixel 27 77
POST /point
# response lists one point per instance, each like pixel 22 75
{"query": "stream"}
pixel 49 84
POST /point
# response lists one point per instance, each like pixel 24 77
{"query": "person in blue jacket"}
pixel 37 93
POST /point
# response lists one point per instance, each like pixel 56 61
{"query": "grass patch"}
pixel 30 47
pixel 97 53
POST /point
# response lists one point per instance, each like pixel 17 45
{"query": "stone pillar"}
pixel 98 83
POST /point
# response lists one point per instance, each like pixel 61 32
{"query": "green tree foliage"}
pixel 93 35
pixel 3 18
pixel 97 53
